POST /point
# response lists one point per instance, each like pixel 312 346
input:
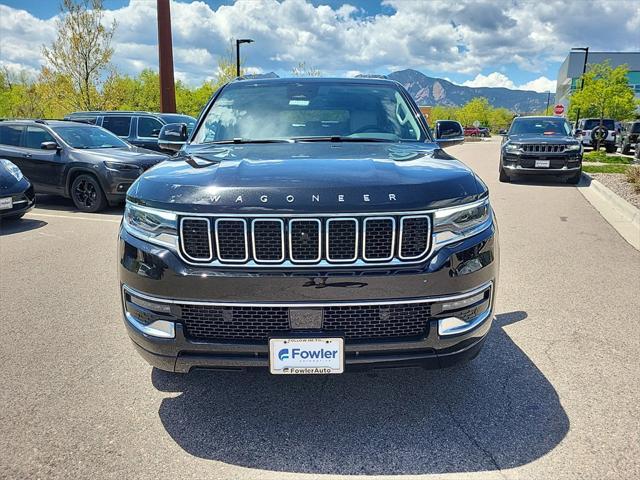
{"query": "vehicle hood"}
pixel 307 178
pixel 543 139
pixel 134 155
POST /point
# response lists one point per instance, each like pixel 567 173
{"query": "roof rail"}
pixel 39 120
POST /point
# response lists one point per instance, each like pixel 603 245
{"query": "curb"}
pixel 619 213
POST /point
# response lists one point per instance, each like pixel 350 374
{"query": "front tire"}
pixel 87 194
pixel 504 178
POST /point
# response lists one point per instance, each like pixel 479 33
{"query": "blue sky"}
pixel 510 43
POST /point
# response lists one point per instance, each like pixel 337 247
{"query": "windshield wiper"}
pixel 339 138
pixel 247 140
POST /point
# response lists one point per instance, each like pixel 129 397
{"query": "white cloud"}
pixel 497 79
pixel 464 37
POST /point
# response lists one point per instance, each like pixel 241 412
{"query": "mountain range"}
pixel 438 91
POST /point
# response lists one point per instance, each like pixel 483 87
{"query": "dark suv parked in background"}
pixel 629 136
pixel 540 146
pixel 84 162
pixel 138 128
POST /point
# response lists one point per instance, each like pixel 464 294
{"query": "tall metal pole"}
pixel 546 112
pixel 237 58
pixel 165 57
pixel 584 70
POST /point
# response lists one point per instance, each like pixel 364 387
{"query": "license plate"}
pixel 542 163
pixel 306 356
pixel 6 203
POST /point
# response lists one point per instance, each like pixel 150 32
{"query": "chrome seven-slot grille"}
pixel 301 240
pixel 207 322
pixel 543 148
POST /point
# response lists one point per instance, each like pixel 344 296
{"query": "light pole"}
pixel 584 70
pixel 238 42
pixel 546 112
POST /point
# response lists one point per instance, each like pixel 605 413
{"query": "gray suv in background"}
pixel 136 127
pixel 83 162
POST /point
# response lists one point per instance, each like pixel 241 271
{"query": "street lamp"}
pixel 584 70
pixel 238 42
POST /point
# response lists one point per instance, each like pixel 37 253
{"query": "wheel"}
pixel 626 149
pixel 87 194
pixel 610 148
pixel 504 178
pixel 574 179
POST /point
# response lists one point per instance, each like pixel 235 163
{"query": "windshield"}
pixel 635 127
pixel 594 122
pixel 540 126
pixel 89 137
pixel 259 111
pixel 190 121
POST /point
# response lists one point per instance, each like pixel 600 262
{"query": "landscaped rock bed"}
pixel 619 184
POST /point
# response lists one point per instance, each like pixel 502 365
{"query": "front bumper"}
pixel 458 271
pixel 559 165
pixel 22 203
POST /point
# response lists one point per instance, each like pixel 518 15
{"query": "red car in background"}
pixel 472 132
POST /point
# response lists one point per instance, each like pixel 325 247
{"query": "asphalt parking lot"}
pixel 554 394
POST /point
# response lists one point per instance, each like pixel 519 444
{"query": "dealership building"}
pixel 571 71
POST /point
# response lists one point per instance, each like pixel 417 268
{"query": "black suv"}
pixel 305 226
pixel 540 146
pixel 629 136
pixel 138 128
pixel 84 162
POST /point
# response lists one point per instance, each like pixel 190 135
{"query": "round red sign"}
pixel 558 109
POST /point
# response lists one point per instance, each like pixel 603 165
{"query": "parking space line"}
pixel 74 217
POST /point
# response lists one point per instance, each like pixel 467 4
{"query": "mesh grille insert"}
pixel 268 242
pixel 379 233
pixel 342 236
pixel 305 240
pixel 415 236
pixel 231 235
pixel 196 238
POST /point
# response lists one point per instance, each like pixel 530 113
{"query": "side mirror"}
pixel 502 132
pixel 49 146
pixel 155 132
pixel 577 133
pixel 173 136
pixel 448 133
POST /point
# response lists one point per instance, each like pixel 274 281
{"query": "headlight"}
pixel 155 226
pixel 12 169
pixel 573 147
pixel 511 148
pixel 122 167
pixel 456 223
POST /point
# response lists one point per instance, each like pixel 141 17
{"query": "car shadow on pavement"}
pixel 61 204
pixel 9 227
pixel 498 411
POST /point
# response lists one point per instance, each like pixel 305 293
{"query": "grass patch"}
pixel 602 157
pixel 633 177
pixel 611 168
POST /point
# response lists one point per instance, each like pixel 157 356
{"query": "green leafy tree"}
pixel 82 50
pixel 606 94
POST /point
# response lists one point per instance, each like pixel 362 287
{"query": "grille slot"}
pixel 231 239
pixel 267 237
pixel 543 148
pixel 234 323
pixel 195 239
pixel 208 322
pixel 304 240
pixel 415 236
pixel 342 239
pixel 379 238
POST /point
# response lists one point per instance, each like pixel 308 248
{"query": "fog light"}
pixel 455 305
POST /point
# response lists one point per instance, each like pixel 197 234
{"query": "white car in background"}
pixel 592 131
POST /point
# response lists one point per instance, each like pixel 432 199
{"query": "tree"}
pixel 304 70
pixel 82 50
pixel 606 93
pixel 475 109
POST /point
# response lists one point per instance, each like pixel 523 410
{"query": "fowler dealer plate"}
pixel 306 356
pixel 542 163
pixel 6 203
